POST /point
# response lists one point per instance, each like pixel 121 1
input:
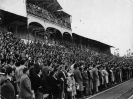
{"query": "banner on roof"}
pixel 14 6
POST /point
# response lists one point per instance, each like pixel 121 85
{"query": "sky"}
pixel 107 21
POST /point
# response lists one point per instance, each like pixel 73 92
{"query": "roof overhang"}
pixel 99 43
pixel 51 5
pixel 60 13
pixel 92 41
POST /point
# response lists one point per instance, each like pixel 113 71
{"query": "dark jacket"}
pixel 7 90
pixel 95 74
pixel 85 77
pixel 77 76
pixel 25 87
pixel 62 77
pixel 45 72
pixel 54 84
pixel 62 74
pixel 38 83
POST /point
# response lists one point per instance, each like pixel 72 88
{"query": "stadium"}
pixel 41 58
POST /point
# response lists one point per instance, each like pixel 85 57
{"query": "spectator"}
pixel 7 89
pixel 25 86
pixel 78 78
pixel 90 76
pixel 62 76
pixel 38 87
pixel 105 75
pixel 86 82
pixel 73 86
pixel 95 79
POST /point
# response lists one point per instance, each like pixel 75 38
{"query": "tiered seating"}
pixel 13 50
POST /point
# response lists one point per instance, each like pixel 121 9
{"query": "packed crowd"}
pixel 37 70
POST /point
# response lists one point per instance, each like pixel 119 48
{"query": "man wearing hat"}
pixel 7 89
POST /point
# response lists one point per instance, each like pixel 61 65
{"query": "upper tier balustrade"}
pixel 43 13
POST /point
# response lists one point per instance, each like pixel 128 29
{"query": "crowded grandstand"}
pixel 40 57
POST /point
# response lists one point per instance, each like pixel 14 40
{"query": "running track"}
pixel 121 91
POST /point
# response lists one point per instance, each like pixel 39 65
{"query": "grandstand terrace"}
pixel 47 22
pixel 43 43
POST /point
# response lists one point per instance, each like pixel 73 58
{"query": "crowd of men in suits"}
pixel 37 70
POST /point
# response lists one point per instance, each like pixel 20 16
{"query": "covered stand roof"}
pixel 92 43
pixel 61 13
pixel 99 44
pixel 50 5
pixel 11 18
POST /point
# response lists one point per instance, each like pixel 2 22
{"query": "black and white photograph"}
pixel 66 49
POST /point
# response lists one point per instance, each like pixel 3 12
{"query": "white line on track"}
pixel 131 97
pixel 123 93
pixel 108 89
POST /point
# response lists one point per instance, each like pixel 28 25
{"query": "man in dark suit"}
pixel 25 85
pixel 33 76
pixel 38 86
pixel 62 76
pixel 54 83
pixel 95 78
pixel 45 75
pixel 86 81
pixel 45 72
pixel 7 89
pixel 78 78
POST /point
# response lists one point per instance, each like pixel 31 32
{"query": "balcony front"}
pixel 43 13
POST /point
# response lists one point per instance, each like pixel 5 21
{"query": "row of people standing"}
pixel 97 77
pixel 61 81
